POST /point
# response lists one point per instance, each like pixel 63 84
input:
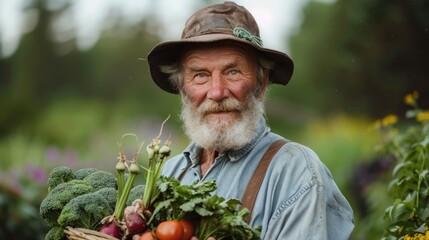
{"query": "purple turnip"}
pixel 111 229
pixel 134 219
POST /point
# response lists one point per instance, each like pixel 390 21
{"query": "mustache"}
pixel 226 105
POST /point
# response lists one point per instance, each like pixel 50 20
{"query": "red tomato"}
pixel 188 229
pixel 148 235
pixel 169 230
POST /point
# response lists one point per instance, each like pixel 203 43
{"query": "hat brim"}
pixel 167 53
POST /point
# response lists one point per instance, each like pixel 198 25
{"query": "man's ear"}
pixel 264 85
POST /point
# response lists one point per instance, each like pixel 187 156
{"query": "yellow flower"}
pixel 389 120
pixel 417 236
pixel 423 116
pixel 411 99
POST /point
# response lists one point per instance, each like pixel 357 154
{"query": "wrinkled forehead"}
pixel 201 48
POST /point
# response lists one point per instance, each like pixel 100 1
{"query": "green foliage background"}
pixel 355 60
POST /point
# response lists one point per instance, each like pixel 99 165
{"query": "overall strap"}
pixel 255 182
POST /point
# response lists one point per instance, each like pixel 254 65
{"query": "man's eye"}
pixel 200 75
pixel 233 72
pixel 201 78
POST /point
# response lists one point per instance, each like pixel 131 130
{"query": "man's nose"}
pixel 218 89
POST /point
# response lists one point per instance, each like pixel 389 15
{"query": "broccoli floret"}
pixel 101 179
pixel 85 211
pixel 84 172
pixel 80 200
pixel 135 193
pixel 56 233
pixel 59 175
pixel 110 194
pixel 51 206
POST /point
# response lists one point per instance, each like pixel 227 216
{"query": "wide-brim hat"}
pixel 220 22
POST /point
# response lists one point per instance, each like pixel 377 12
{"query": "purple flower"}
pixel 52 154
pixel 37 174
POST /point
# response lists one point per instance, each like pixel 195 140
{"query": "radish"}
pixel 135 223
pixel 111 229
pixel 134 219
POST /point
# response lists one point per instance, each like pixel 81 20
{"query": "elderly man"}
pixel 221 70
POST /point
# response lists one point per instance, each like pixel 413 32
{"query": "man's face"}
pixel 218 95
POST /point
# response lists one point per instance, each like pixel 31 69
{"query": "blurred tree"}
pixel 23 75
pixel 358 56
pixel 43 71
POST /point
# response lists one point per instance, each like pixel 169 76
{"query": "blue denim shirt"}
pixel 298 198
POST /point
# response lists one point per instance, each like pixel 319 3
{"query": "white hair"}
pixel 221 134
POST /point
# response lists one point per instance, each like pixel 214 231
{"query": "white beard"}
pixel 220 133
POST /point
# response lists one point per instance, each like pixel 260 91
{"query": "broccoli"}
pixel 51 206
pixel 101 179
pixel 135 193
pixel 110 194
pixel 84 172
pixel 59 175
pixel 85 211
pixel 55 233
pixel 79 199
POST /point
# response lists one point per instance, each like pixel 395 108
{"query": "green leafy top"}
pixel 213 216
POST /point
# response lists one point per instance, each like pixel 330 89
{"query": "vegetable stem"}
pixel 120 205
pixel 157 156
pixel 121 183
pixel 125 189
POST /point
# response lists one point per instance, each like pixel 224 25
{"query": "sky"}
pixel 277 19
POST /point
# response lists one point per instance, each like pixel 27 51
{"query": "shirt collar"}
pixel 192 151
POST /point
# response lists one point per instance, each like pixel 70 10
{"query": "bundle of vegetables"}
pixel 91 199
pixel 79 199
pixel 195 207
